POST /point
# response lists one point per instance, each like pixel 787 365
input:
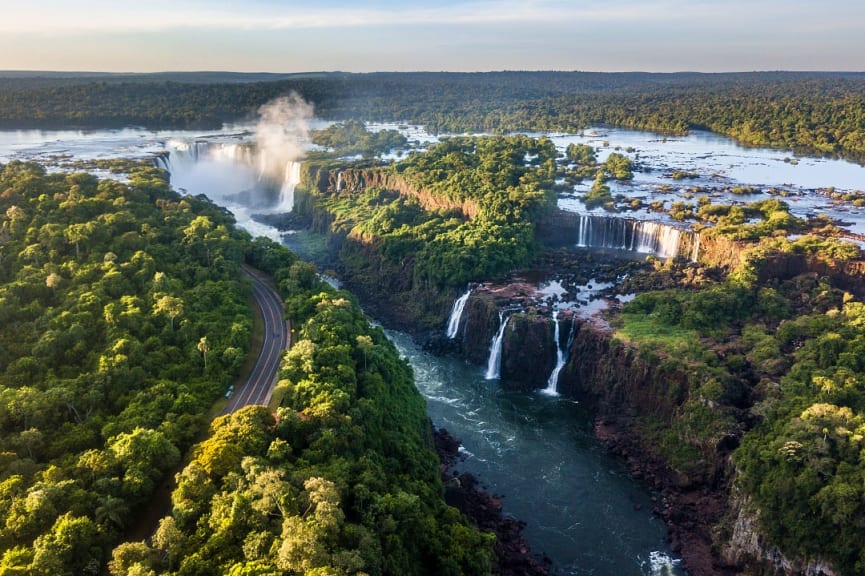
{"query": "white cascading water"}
pixel 495 361
pixel 655 238
pixel 695 251
pixel 290 182
pixel 456 314
pixel 661 564
pixel 662 240
pixel 339 182
pixel 180 154
pixel 553 381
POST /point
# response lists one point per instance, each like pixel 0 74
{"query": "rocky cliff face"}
pixel 528 349
pixel 748 547
pixel 528 352
pixel 617 379
pixel 353 180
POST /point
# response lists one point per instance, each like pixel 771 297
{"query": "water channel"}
pixel 580 506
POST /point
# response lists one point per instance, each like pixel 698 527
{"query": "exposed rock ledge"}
pixel 747 544
pixel 512 556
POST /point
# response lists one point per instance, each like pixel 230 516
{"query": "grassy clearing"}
pixel 645 330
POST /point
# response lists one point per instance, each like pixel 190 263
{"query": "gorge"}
pixel 522 351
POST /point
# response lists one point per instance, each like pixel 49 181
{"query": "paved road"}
pixel 259 386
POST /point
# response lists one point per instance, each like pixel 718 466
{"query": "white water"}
pixel 642 236
pixel 289 183
pixel 695 251
pixel 553 381
pixel 456 314
pixel 661 564
pixel 495 362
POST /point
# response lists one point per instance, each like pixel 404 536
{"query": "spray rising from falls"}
pixel 495 361
pixel 662 240
pixel 281 135
pixel 456 314
pixel 251 172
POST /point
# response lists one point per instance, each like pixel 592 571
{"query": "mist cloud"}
pixel 282 132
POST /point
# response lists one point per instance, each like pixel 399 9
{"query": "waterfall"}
pixel 236 152
pixel 163 161
pixel 585 232
pixel 695 251
pixel 178 152
pixel 561 360
pixel 456 313
pixel 339 182
pixel 662 240
pixel 290 181
pixel 553 381
pixel 495 361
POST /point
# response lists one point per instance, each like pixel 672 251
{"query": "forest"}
pixel 813 112
pixel 116 349
pixel 774 377
pixel 767 363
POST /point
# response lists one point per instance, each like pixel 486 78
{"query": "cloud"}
pixel 52 16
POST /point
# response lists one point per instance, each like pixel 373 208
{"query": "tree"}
pixel 169 539
pixel 53 281
pixel 111 511
pixel 168 306
pixel 129 556
pixel 67 549
pixel 203 347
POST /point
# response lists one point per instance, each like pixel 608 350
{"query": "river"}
pixel 580 506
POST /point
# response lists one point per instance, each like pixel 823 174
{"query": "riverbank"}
pixel 464 491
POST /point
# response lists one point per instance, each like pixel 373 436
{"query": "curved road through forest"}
pixel 258 388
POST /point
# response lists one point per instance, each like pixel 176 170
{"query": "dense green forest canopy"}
pixel 775 363
pixel 102 382
pixel 822 112
pixel 107 291
pixel 340 480
pixel 467 211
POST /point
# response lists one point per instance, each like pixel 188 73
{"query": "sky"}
pixel 452 35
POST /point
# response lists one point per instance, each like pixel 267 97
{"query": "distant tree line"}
pixel 807 111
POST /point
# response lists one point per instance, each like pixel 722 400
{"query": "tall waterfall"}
pixel 495 362
pixel 662 240
pixel 456 314
pixel 289 183
pixel 695 250
pixel 553 381
pixel 181 153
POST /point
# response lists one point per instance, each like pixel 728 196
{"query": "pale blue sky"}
pixel 458 35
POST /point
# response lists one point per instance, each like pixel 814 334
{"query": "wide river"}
pixel 580 506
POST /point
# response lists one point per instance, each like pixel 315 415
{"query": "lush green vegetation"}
pixel 465 210
pixel 820 112
pixel 341 480
pixel 351 137
pixel 110 296
pixel 779 365
pixel 106 293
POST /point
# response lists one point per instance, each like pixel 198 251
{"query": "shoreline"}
pixel 512 554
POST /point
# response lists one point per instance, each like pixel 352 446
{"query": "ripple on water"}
pixel 538 452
